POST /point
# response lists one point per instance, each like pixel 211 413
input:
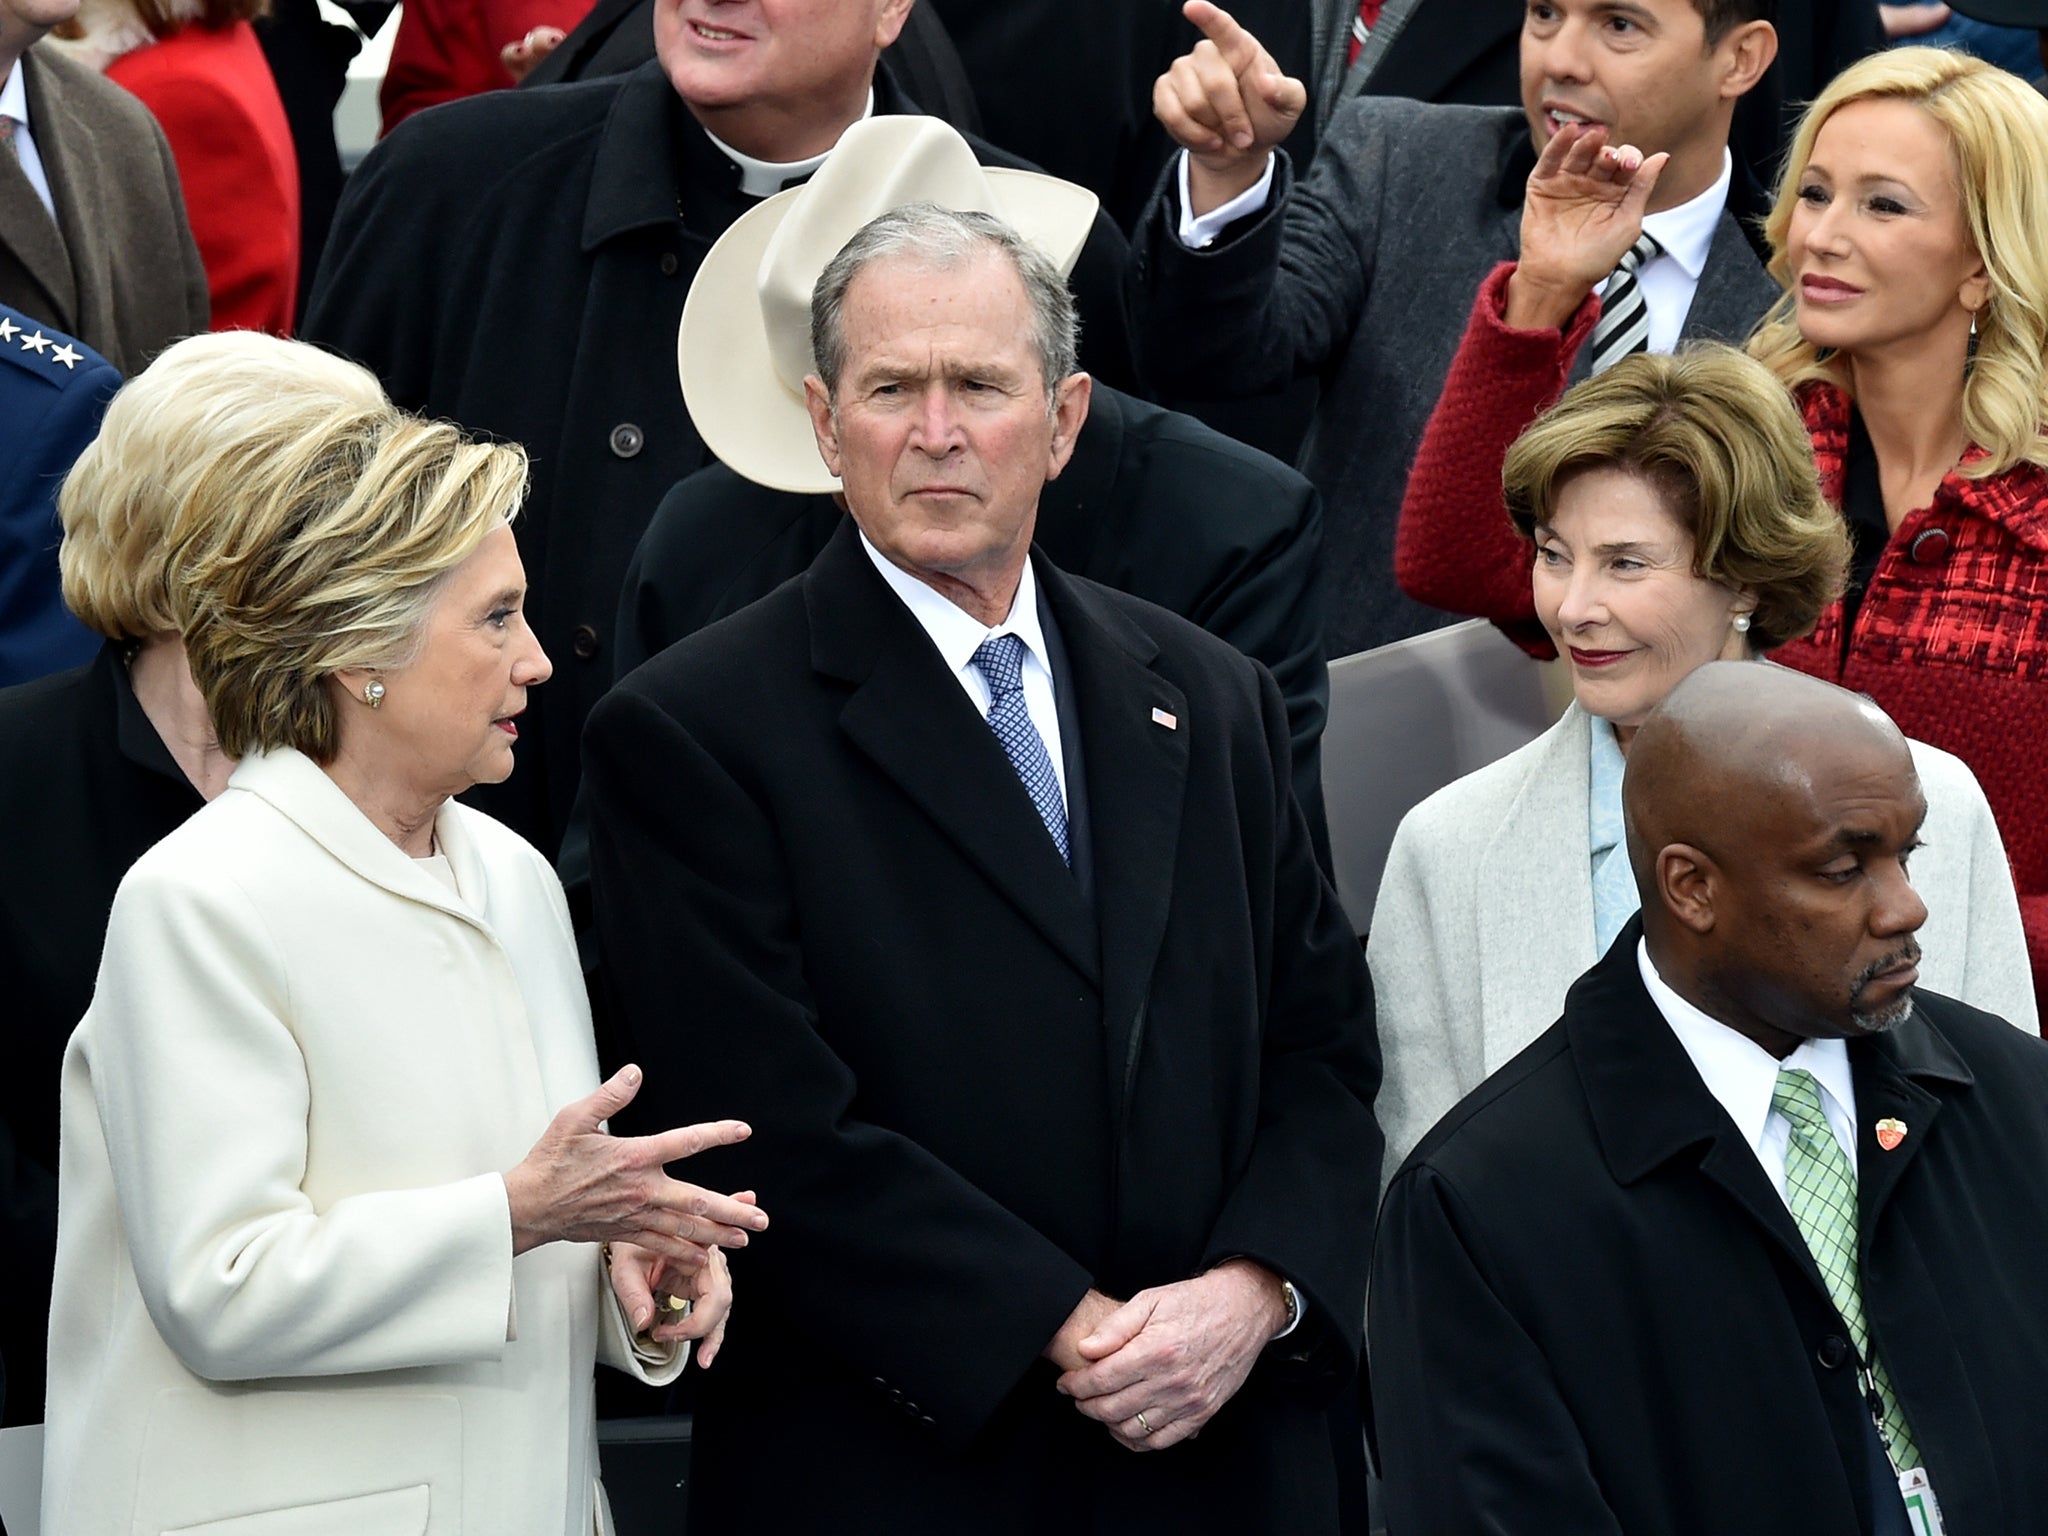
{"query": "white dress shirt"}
pixel 1743 1076
pixel 1668 281
pixel 14 104
pixel 765 178
pixel 958 634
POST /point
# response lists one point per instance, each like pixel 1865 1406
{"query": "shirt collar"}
pixel 14 97
pixel 957 633
pixel 1604 786
pixel 1738 1072
pixel 764 178
pixel 1687 231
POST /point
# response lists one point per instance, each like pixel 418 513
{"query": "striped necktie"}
pixel 1624 324
pixel 1820 1186
pixel 1362 24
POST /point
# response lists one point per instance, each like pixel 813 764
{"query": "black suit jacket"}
pixel 1591 1312
pixel 517 263
pixel 90 786
pixel 1152 503
pixel 827 905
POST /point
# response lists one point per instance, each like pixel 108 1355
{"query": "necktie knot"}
pixel 1797 1098
pixel 1643 250
pixel 1000 660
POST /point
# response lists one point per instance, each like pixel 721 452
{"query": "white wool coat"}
pixel 285 1298
pixel 1485 919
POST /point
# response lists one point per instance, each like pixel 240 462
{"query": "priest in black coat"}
pixel 1053 1038
pixel 1597 1306
pixel 518 261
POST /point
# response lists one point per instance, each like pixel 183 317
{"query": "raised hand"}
pixel 581 1184
pixel 1583 209
pixel 1228 104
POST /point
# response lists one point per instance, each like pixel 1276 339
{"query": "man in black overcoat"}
pixel 1751 1239
pixel 518 263
pixel 978 890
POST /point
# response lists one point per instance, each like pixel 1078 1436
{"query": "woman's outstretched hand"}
pixel 1582 211
pixel 581 1184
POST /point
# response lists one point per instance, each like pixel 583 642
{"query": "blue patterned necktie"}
pixel 1000 660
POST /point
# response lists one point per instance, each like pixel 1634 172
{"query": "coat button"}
pixel 584 642
pixel 882 1383
pixel 1930 547
pixel 929 1422
pixel 1833 1352
pixel 627 440
pixel 669 264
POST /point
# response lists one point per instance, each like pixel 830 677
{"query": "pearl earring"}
pixel 1742 623
pixel 373 692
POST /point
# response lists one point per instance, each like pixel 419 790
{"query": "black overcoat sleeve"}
pixel 1303 1203
pixel 898 1265
pixel 1277 296
pixel 1473 1432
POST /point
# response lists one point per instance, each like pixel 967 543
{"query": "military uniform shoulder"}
pixel 37 351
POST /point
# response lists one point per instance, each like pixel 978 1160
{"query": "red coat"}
pixel 447 49
pixel 1952 637
pixel 213 92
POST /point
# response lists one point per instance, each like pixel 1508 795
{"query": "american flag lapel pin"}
pixel 1166 718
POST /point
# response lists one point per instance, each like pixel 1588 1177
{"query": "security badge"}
pixel 1890 1133
pixel 1923 1515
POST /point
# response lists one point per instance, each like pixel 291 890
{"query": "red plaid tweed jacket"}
pixel 1952 637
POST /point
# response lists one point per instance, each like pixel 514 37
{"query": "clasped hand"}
pixel 1174 1353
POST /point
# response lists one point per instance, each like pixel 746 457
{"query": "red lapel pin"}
pixel 1890 1132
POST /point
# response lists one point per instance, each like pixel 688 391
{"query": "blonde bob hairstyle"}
pixel 1997 129
pixel 148 476
pixel 1723 446
pixel 340 542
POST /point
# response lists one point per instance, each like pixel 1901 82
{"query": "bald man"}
pixel 1752 1239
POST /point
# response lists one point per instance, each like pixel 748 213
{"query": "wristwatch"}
pixel 1295 1309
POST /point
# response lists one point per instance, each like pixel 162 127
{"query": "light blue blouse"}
pixel 1614 884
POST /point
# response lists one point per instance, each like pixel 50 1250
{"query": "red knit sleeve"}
pixel 1454 547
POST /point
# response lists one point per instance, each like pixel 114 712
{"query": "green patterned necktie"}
pixel 1820 1186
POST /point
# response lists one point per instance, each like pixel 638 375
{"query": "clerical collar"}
pixel 764 178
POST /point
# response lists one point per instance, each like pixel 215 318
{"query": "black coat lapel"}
pixel 1891 1074
pixel 1137 769
pixel 1649 1105
pixel 912 720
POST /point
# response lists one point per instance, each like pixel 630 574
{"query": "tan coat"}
pixel 117 268
pixel 286 1302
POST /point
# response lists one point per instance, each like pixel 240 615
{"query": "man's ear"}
pixel 818 401
pixel 1688 882
pixel 1070 414
pixel 890 16
pixel 1745 53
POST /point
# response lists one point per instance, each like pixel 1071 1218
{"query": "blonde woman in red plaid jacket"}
pixel 1910 233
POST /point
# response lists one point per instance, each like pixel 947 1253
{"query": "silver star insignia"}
pixel 66 355
pixel 8 329
pixel 35 343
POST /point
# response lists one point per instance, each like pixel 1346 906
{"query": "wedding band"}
pixel 1143 1427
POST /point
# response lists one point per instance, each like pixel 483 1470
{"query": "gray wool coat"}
pixel 1362 273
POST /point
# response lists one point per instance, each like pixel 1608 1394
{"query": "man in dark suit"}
pixel 979 890
pixel 610 192
pixel 1363 274
pixel 93 238
pixel 1751 1239
pixel 52 394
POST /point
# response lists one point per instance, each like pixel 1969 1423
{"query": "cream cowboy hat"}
pixel 745 343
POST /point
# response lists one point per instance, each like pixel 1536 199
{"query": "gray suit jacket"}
pixel 117 268
pixel 1363 273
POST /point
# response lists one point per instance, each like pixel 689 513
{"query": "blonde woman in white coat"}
pixel 1675 518
pixel 334 1173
